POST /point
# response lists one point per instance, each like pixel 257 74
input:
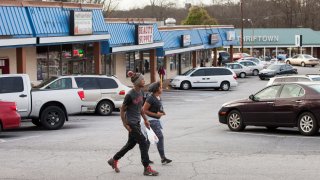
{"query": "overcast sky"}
pixel 131 4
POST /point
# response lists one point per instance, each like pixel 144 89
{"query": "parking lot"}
pixel 199 146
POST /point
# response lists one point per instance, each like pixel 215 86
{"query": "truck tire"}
pixel 36 122
pixel 53 118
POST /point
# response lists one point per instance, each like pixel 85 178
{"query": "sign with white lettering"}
pixel 231 35
pixel 80 22
pixel 144 34
pixel 214 38
pixel 298 40
pixel 265 38
pixel 185 40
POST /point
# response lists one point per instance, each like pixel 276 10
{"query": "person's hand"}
pixel 159 114
pixel 128 127
pixel 147 124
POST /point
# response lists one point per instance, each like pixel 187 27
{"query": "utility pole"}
pixel 241 7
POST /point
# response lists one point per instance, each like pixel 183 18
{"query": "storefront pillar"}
pixel 311 50
pixel 231 53
pixel 97 57
pixel 153 65
pixel 179 64
pixel 290 49
pixel 194 59
pixel 264 52
pixel 215 56
pixel 21 61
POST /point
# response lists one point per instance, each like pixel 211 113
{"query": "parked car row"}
pixel 50 103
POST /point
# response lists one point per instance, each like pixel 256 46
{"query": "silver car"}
pixel 241 70
pixel 303 60
pixel 103 93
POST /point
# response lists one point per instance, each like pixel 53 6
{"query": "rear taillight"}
pixel 123 92
pixel 81 94
pixel 235 77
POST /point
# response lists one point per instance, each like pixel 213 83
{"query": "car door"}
pixel 294 59
pixel 109 88
pixel 198 78
pixel 13 89
pixel 290 101
pixel 91 89
pixel 260 110
pixel 211 77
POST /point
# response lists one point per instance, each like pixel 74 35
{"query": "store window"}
pixel 106 65
pixel 185 60
pixel 64 60
pixel 173 62
pixel 130 65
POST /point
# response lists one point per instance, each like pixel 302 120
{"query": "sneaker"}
pixel 114 164
pixel 165 161
pixel 148 171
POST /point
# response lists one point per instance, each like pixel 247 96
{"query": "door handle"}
pixel 208 78
pixel 298 101
pixel 270 102
pixel 203 78
pixel 22 95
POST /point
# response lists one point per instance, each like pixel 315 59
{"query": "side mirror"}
pixel 252 97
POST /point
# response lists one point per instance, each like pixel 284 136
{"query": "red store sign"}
pixel 144 34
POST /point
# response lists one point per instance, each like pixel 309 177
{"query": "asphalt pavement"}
pixel 200 147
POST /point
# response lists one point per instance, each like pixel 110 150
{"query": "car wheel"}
pixel 271 128
pixel 225 86
pixel 235 121
pixel 185 85
pixel 262 78
pixel 53 118
pixel 288 62
pixel 255 72
pixel 307 124
pixel 303 64
pixel 242 75
pixel 36 122
pixel 313 65
pixel 105 108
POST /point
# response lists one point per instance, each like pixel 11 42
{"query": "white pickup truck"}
pixel 47 108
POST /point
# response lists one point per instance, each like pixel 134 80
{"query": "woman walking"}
pixel 154 110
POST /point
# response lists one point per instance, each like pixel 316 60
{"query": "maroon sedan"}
pixel 9 118
pixel 281 105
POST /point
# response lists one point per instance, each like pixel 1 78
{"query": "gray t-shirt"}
pixel 134 101
pixel 155 105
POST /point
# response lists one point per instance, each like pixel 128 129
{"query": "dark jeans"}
pixel 135 136
pixel 156 127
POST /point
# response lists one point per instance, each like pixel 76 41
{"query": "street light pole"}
pixel 241 7
pixel 252 36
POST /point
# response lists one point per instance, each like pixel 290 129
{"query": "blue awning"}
pixel 205 36
pixel 123 38
pixel 14 22
pixel 224 35
pixel 172 41
pixel 54 21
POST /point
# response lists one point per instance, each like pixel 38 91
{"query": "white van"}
pixel 204 77
pixel 103 93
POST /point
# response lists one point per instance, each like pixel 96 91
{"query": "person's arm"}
pixel 123 109
pixel 146 122
pixel 146 110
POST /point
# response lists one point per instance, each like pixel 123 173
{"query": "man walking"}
pixel 131 111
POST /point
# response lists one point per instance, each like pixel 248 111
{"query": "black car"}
pixel 277 69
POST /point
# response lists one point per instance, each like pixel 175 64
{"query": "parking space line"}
pixel 17 139
pixel 273 135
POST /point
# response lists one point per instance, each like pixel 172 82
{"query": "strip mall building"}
pixel 45 39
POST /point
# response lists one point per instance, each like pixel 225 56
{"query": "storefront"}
pixel 179 52
pixel 66 38
pixel 271 42
pixel 132 48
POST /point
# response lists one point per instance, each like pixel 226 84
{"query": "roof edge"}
pixel 49 4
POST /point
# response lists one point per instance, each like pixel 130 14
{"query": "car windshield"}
pixel 188 72
pixel 44 83
pixel 274 67
pixel 308 57
pixel 224 54
pixel 316 87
